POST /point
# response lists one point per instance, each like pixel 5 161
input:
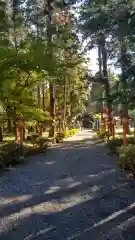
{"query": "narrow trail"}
pixel 73 192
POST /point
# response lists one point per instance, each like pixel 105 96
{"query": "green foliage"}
pixel 101 134
pixel 126 158
pixel 68 133
pixel 9 153
pixel 113 144
pixel 30 61
pixel 71 132
pixel 32 137
pixel 43 142
pixel 98 115
pixel 61 135
pixel 113 20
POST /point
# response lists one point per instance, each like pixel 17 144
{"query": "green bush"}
pixel 61 135
pixel 43 142
pixel 71 132
pixel 68 133
pixel 101 134
pixel 32 137
pixel 9 155
pixel 74 131
pixel 126 158
pixel 113 144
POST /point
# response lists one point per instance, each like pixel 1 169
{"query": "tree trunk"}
pixel 1 134
pixel 106 81
pixel 52 111
pixel 9 125
pixel 71 110
pixel 100 59
pixel 100 75
pixel 124 79
pixel 50 54
pixel 38 97
pixel 65 102
pixel 43 96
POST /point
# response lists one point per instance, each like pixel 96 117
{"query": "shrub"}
pixel 113 144
pixel 9 155
pixel 32 137
pixel 126 158
pixel 68 133
pixel 74 131
pixel 101 134
pixel 43 142
pixel 71 132
pixel 61 135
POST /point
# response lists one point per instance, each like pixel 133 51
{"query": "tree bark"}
pixel 52 111
pixel 71 109
pixel 43 96
pixel 51 86
pixel 100 75
pixel 65 102
pixel 9 125
pixel 106 81
pixel 123 52
pixel 1 134
pixel 38 97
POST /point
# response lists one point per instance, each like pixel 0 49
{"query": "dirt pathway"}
pixel 74 191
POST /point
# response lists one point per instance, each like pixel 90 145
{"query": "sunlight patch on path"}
pixel 82 135
pixel 14 200
pixel 49 207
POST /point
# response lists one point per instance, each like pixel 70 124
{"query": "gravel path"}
pixel 73 192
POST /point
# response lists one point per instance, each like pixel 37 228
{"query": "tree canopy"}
pixel 27 68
